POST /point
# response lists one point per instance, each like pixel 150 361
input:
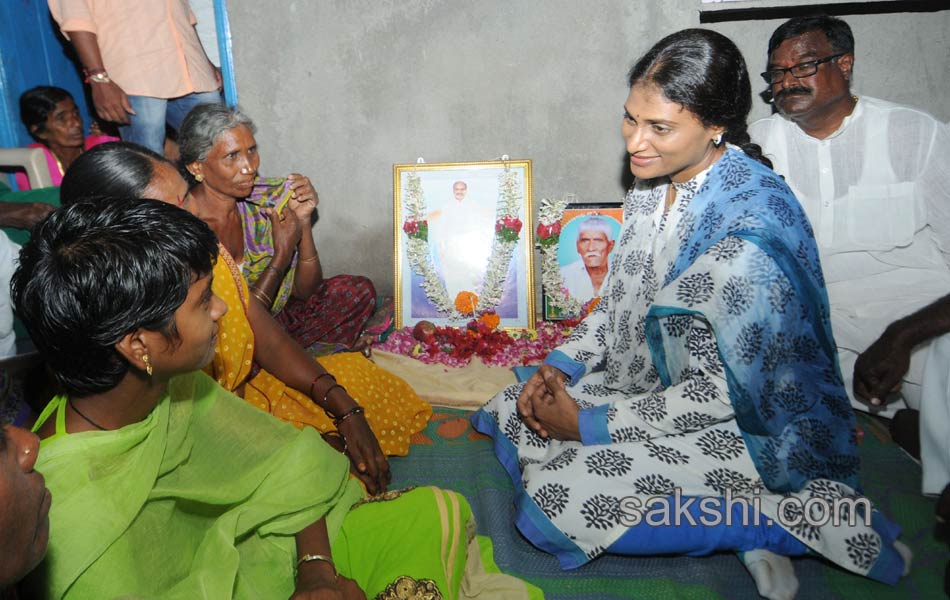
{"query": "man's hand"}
pixel 879 369
pixel 23 215
pixel 112 103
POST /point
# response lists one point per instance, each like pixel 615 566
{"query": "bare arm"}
pixel 309 272
pixel 279 354
pixel 286 234
pixel 303 203
pixel 111 101
pixel 879 369
pixel 317 578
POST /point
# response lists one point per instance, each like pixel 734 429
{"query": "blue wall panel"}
pixel 32 53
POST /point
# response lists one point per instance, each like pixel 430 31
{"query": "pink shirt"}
pixel 149 47
pixel 56 169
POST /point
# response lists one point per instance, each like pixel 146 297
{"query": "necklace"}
pixel 84 417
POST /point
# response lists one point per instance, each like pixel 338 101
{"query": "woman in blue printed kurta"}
pixel 708 367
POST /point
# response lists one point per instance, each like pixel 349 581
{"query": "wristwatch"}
pixel 97 76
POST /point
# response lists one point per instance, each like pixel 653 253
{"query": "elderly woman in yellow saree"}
pixel 360 408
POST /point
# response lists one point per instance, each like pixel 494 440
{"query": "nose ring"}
pixel 245 170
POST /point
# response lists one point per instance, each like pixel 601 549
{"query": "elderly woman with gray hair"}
pixel 265 224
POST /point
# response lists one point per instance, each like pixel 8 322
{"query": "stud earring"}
pixel 27 451
pixel 199 178
pixel 148 364
pixel 717 140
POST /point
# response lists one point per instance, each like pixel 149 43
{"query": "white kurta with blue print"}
pixel 651 439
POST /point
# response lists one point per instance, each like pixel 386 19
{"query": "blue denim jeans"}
pixel 147 127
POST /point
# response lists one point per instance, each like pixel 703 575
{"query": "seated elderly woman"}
pixel 24 506
pixel 289 384
pixel 169 485
pixel 52 118
pixel 265 224
pixel 704 384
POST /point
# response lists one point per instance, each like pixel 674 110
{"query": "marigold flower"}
pixel 490 319
pixel 466 302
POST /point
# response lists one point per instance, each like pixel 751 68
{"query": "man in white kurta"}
pixel 461 234
pixel 874 179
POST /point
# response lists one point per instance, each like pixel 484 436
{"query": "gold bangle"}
pixel 313 258
pixel 321 557
pixel 263 297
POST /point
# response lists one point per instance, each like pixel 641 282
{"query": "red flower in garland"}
pixel 548 231
pixel 416 229
pixel 508 228
pixel 548 235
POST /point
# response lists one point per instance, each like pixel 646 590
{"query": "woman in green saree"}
pixel 166 484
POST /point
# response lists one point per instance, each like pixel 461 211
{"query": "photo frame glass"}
pixel 585 247
pixel 463 243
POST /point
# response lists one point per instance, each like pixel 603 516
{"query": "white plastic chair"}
pixel 33 160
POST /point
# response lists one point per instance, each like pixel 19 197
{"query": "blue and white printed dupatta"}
pixel 781 365
pixel 708 365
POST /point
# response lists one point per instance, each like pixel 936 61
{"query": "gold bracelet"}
pixel 321 557
pixel 313 258
pixel 263 297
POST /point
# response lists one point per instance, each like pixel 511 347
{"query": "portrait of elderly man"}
pixel 461 231
pixel 874 180
pixel 585 276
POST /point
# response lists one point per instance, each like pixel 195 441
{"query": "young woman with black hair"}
pixel 707 371
pixel 167 485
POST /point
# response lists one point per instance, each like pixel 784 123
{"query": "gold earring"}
pixel 148 364
pixel 199 178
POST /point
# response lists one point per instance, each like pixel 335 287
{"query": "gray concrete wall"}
pixel 343 89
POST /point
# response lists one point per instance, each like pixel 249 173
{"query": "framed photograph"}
pixel 463 243
pixel 578 252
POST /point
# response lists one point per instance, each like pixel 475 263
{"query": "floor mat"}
pixel 448 453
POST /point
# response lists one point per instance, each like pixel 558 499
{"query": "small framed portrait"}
pixel 463 243
pixel 578 254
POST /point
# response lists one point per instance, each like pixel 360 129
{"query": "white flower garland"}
pixel 552 281
pixel 506 217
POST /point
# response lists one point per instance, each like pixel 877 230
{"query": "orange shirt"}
pixel 149 47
